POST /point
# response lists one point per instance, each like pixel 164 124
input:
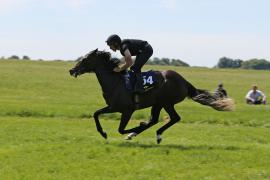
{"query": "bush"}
pixel 225 62
pixel 14 57
pixel 256 64
pixel 26 58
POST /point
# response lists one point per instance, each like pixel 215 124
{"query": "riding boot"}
pixel 139 84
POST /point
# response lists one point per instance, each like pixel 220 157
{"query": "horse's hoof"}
pixel 143 123
pixel 159 139
pixel 104 135
pixel 130 136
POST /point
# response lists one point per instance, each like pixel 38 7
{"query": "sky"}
pixel 198 32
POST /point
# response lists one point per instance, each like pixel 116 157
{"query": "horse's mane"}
pixel 107 57
pixel 104 54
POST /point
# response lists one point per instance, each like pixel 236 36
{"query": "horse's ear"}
pixel 93 51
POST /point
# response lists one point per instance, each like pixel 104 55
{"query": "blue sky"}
pixel 198 32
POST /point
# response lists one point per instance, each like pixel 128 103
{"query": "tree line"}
pixel 167 62
pixel 154 61
pixel 259 64
pixel 15 57
pixel 224 62
pixel 159 61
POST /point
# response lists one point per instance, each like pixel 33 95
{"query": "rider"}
pixel 131 47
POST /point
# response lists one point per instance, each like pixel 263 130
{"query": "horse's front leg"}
pixel 96 114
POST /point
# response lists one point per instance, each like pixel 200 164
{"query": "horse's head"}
pixel 90 62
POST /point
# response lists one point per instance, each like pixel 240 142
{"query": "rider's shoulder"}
pixel 126 41
pixel 131 41
pixel 125 44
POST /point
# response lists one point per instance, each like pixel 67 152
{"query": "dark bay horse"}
pixel 171 89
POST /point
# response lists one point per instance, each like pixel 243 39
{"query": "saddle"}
pixel 149 80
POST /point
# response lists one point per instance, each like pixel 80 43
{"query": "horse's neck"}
pixel 107 80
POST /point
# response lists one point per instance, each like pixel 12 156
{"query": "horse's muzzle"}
pixel 73 73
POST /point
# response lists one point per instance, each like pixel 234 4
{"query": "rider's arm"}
pixel 128 60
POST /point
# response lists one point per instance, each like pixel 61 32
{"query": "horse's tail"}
pixel 206 98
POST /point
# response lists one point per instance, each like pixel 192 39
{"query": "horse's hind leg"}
pixel 124 121
pixel 174 118
pixel 155 111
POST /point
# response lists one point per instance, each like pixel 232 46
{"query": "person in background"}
pixel 220 92
pixel 254 96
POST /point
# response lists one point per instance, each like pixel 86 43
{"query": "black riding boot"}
pixel 139 84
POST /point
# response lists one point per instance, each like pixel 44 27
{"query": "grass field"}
pixel 47 130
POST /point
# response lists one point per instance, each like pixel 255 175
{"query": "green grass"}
pixel 47 130
pixel 33 148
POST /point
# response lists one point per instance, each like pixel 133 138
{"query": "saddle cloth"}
pixel 149 80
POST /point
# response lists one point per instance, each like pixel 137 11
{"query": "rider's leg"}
pixel 139 83
pixel 141 59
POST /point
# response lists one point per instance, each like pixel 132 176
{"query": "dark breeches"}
pixel 142 58
pixel 256 102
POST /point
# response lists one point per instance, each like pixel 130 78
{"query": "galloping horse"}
pixel 171 88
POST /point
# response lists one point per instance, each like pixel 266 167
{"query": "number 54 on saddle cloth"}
pixel 149 80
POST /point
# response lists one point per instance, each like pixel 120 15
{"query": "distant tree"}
pixel 178 62
pixel 150 62
pixel 256 64
pixel 14 57
pixel 226 62
pixel 156 60
pixel 165 61
pixel 237 63
pixel 26 58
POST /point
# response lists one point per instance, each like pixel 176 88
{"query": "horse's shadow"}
pixel 179 146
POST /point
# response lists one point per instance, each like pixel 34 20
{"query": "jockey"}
pixel 131 47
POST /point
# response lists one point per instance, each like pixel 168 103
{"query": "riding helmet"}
pixel 113 39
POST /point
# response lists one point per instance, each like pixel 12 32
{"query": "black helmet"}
pixel 114 39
